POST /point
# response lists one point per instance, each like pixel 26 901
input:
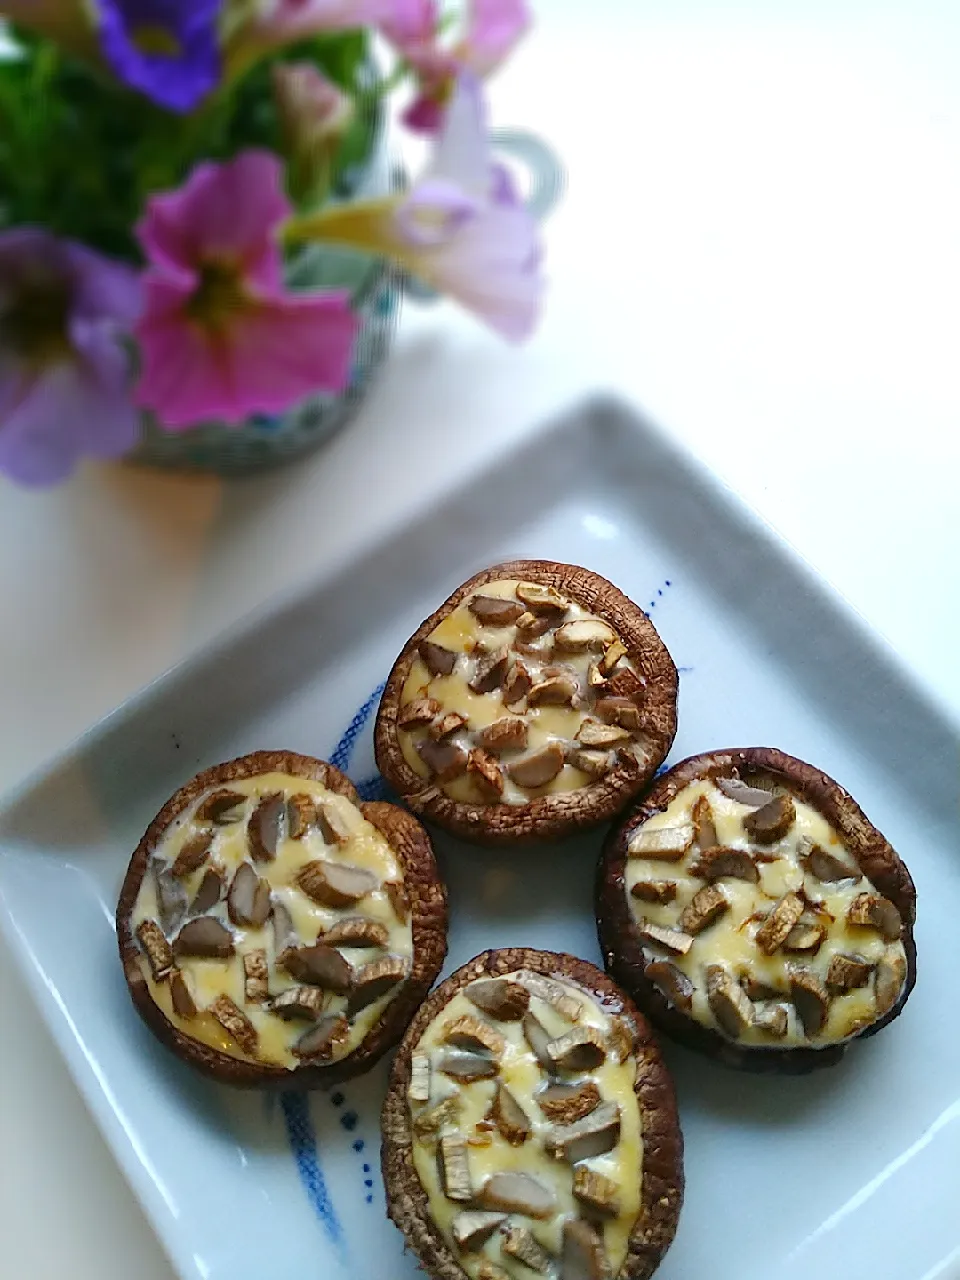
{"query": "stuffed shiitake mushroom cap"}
pixel 536 700
pixel 755 914
pixel 273 929
pixel 530 1127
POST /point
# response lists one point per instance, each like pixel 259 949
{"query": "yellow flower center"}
pixel 219 298
pixel 156 42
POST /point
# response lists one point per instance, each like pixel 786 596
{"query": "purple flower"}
pixel 64 372
pixel 167 49
pixel 461 228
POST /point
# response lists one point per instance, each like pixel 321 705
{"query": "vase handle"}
pixel 546 175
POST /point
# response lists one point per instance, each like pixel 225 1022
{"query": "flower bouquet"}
pixel 178 176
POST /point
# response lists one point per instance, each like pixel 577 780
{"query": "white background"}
pixel 760 244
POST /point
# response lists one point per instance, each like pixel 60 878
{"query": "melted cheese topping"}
pixel 731 940
pixel 209 978
pixel 461 632
pixel 524 1077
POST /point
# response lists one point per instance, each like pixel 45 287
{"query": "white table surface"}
pixel 760 245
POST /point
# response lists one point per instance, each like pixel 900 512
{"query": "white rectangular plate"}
pixel 853 1172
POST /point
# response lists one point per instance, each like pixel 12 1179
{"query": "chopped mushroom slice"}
pixel 332 826
pixel 773 1020
pixel 399 902
pixel 874 912
pixel 672 982
pixel 284 934
pixel 492 611
pixel 538 1038
pixel 490 1271
pixel 335 884
pixel 625 684
pixel 486 773
pixel 256 976
pixel 208 894
pixel 565 1103
pixel 248 900
pixel 810 999
pixel 847 972
pixel 506 734
pixel 489 671
pixel 503 999
pixel 664 844
pixel 418 712
pixel 518 1193
pixel 467 1067
pixel 171 895
pixel 301 815
pixel 581 1049
pixel 582 635
pixel 445 760
pixel 612 656
pixel 193 853
pixel 594 1135
pixel 622 1040
pixel 427 1124
pixel 419 1090
pixel 299 1002
pixel 356 931
pixel 265 828
pixel 827 866
pixel 184 1005
pixel 621 711
pixel 376 979
pixel 583 1256
pixel 474 1227
pixel 671 940
pixel 509 1117
pixel 220 807
pixel 557 690
pixel 538 769
pixel 771 822
pixel 533 625
pixel 554 994
pixel 454 1157
pixel 659 891
pixel 517 685
pixel 890 977
pixel 704 827
pixel 706 906
pixel 743 793
pixel 596 1191
pixel 721 863
pixel 805 938
pixel 592 733
pixel 541 598
pixel 593 763
pixel 157 948
pixel 323 1040
pixel 236 1023
pixel 773 932
pixel 204 937
pixel 472 1033
pixel 729 1002
pixel 438 660
pixel 757 990
pixel 519 1243
pixel 320 965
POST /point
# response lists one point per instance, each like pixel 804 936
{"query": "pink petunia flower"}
pixel 314 114
pixel 221 337
pixel 491 30
pixel 461 228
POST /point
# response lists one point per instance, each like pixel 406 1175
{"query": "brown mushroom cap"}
pixel 662 1157
pixel 562 812
pixel 424 890
pixel 620 940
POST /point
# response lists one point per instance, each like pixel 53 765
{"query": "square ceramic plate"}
pixel 851 1173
